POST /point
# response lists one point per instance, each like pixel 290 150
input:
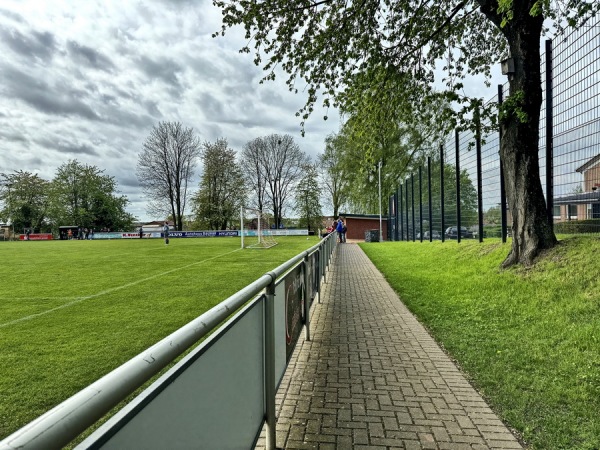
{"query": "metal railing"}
pixel 62 424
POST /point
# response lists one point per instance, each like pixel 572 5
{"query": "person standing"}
pixel 166 232
pixel 340 229
pixel 344 229
pixel 141 230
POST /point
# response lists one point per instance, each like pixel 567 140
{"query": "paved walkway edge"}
pixel 373 378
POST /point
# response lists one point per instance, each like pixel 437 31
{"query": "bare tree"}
pixel 253 163
pixel 283 169
pixel 166 167
pixel 273 166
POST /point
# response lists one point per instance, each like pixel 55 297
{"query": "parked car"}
pixel 452 233
pixel 434 235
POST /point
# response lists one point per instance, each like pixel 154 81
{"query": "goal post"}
pixel 255 229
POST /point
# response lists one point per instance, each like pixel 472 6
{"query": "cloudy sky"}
pixel 87 80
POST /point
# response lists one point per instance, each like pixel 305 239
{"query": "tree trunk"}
pixel 520 137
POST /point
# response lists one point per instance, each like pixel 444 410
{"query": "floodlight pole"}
pixel 10 216
pixel 380 225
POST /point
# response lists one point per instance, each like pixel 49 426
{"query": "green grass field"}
pixel 529 339
pixel 71 311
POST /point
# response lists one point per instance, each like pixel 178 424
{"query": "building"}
pixel 582 205
pixel 359 224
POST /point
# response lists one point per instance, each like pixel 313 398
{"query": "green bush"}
pixel 578 226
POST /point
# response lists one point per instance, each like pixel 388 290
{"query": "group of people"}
pixel 81 234
pixel 339 227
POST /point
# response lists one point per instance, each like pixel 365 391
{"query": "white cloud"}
pixel 88 80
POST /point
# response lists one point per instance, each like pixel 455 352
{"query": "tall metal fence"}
pixel 467 173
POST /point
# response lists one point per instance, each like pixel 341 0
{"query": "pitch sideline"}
pixel 108 291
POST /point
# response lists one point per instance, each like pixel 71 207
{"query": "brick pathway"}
pixel 373 378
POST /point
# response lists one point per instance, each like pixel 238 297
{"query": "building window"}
pixel 556 211
pixel 573 212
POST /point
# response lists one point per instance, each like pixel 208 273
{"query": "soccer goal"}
pixel 256 229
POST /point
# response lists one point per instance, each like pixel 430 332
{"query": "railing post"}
pixel 306 298
pixel 270 363
pixel 323 270
pixel 320 253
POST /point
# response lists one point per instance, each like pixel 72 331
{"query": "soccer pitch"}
pixel 71 311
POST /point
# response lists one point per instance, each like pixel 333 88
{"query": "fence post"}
pixel 401 211
pixel 306 298
pixel 407 212
pixel 457 155
pixel 430 199
pixel 421 203
pixel 270 363
pixel 396 216
pixel 549 139
pixel 412 198
pixel 502 186
pixel 479 173
pixel 442 190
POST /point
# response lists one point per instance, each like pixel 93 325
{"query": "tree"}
pixel 468 195
pixel 83 195
pixel 221 194
pixel 165 168
pixel 493 216
pixel 273 165
pixel 332 44
pixel 332 172
pixel 308 205
pixel 254 158
pixel 25 199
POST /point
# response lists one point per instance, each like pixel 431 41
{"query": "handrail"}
pixel 63 423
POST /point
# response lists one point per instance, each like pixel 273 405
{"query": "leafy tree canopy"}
pixel 336 46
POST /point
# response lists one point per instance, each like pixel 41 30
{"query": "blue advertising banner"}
pixel 172 234
pixel 196 234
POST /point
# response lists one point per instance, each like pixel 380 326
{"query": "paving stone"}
pixel 372 378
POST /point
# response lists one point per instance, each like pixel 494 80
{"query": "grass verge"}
pixel 529 339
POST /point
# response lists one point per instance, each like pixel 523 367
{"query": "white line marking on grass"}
pixel 108 291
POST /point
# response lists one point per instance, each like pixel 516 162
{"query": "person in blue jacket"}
pixel 340 230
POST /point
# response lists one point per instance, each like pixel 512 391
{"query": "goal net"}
pixel 256 229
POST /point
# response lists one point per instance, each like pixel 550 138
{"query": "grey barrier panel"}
pixel 294 308
pixel 280 346
pixel 213 398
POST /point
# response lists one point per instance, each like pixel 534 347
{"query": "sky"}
pixel 87 81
